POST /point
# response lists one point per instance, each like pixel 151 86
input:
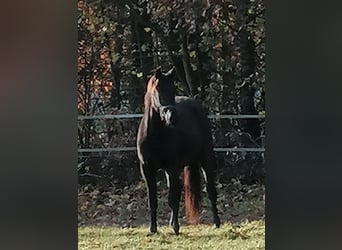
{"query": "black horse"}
pixel 174 135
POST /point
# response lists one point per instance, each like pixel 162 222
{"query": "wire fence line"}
pixel 127 149
pixel 130 116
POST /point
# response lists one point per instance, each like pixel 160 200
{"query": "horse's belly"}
pixel 181 149
pixel 160 154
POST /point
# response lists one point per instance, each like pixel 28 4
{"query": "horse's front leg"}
pixel 149 175
pixel 175 189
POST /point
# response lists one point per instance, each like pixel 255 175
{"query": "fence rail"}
pixel 129 116
pixel 127 149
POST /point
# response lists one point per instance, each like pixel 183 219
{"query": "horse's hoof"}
pixel 176 230
pixel 217 223
pixel 151 233
pixel 153 230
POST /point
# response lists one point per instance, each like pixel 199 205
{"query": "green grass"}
pixel 246 235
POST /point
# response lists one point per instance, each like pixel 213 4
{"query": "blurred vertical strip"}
pixel 38 104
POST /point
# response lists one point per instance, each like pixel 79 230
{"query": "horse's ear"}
pixel 158 73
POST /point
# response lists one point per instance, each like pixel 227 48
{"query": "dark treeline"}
pixel 218 49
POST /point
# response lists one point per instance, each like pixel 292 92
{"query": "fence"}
pixel 133 116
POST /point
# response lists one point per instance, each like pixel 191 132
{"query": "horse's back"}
pixel 191 113
pixel 181 98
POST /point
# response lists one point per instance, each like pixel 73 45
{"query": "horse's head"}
pixel 161 94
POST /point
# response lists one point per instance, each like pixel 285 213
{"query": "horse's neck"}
pixel 154 122
pixel 151 121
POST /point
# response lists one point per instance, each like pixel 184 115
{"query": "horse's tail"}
pixel 192 193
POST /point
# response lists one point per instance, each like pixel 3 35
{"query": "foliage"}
pixel 217 47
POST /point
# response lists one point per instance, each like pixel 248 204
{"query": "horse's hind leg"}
pixel 175 190
pixel 150 178
pixel 208 166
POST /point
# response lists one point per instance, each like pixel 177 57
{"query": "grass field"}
pixel 244 235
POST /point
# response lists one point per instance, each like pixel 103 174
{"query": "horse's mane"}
pixel 151 85
pixel 148 109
